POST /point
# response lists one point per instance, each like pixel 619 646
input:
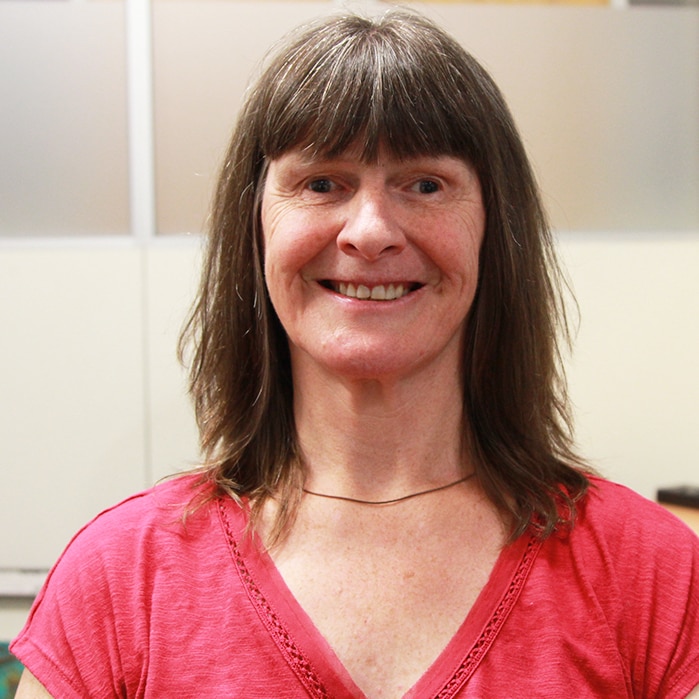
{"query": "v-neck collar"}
pixel 310 655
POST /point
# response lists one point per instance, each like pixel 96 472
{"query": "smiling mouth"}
pixel 380 292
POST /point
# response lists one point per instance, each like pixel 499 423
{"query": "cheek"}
pixel 290 250
pixel 472 240
pixel 283 262
pixel 279 291
pixel 295 243
pixel 459 252
pixel 281 245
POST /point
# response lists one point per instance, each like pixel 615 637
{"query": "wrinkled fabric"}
pixel 147 604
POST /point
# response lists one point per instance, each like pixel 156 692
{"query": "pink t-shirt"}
pixel 143 605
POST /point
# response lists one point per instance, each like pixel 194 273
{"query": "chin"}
pixel 367 365
pixel 378 357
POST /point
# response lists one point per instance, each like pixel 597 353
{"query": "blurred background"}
pixel 114 118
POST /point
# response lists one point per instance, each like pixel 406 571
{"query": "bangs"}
pixel 375 86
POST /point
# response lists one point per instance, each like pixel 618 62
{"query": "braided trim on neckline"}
pixel 286 644
pixel 478 650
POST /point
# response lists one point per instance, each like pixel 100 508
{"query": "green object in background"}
pixel 10 670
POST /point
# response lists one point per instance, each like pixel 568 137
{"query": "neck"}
pixel 376 440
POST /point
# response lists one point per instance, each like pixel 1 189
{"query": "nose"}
pixel 371 228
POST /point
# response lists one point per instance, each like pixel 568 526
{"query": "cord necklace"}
pixel 388 502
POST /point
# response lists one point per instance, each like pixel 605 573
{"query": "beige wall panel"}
pixel 71 410
pixel 634 374
pixel 172 273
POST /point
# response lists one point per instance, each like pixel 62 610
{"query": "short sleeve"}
pixel 647 580
pixel 672 654
pixel 75 640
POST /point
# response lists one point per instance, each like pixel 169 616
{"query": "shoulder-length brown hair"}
pixel 400 83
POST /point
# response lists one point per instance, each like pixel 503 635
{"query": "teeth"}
pixel 376 293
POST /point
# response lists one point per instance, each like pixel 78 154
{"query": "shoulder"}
pixel 170 506
pixel 153 504
pixel 149 531
pixel 639 564
pixel 616 516
pixel 625 582
pixel 620 533
pixel 156 565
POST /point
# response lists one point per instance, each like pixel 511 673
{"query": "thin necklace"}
pixel 388 502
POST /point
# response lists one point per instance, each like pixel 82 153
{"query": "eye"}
pixel 322 185
pixel 426 186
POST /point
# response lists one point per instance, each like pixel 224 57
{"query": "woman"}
pixel 391 504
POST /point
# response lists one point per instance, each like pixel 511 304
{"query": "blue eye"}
pixel 321 186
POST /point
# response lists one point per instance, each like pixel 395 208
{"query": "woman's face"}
pixel 372 268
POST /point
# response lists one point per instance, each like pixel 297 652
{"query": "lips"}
pixel 378 292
